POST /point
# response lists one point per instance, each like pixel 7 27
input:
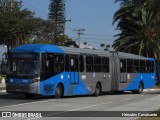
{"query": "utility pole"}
pixel 79 33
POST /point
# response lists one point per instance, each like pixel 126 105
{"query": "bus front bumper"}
pixel 21 88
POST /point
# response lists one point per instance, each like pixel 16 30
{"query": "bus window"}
pixel 97 64
pixel 67 63
pixel 152 68
pixel 148 66
pixel 129 65
pixel 59 63
pixel 47 69
pixel 81 64
pixel 89 64
pixel 142 66
pixel 105 65
pixel 136 66
pixel 74 63
pixel 123 66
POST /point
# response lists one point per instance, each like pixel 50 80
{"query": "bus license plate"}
pixel 18 90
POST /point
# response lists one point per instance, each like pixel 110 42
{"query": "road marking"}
pixel 27 103
pixel 128 99
pixel 145 90
pixel 73 110
pixel 152 89
pixel 90 106
pixel 81 109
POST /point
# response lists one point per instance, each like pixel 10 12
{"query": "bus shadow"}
pixel 22 97
pixel 40 97
pixel 103 94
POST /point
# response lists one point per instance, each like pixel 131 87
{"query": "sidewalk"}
pixel 2 85
pixel 156 87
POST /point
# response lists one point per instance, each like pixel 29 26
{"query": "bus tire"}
pixel 97 90
pixel 29 96
pixel 59 91
pixel 140 88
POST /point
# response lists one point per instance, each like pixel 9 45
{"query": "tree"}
pixel 102 45
pixel 107 47
pixel 85 43
pixel 44 32
pixel 19 26
pixel 139 23
pixel 57 16
pixel 64 40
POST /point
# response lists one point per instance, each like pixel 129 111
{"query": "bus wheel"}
pixel 97 90
pixel 29 96
pixel 59 91
pixel 140 88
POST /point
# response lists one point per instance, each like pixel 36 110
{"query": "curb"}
pixel 2 91
pixel 151 90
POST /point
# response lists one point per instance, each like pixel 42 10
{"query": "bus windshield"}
pixel 26 66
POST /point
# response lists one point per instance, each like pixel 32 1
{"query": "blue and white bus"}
pixel 51 70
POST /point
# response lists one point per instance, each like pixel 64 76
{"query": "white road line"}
pixel 27 103
pixel 128 99
pixel 80 109
pixel 152 89
pixel 90 106
pixel 73 110
pixel 145 90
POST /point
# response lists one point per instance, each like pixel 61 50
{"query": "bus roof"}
pixel 47 48
pixel 38 48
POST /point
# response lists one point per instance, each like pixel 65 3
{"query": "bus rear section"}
pixel 136 73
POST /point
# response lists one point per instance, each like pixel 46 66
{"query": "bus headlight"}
pixel 35 80
pixel 11 80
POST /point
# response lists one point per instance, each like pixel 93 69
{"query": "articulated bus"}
pixel 51 70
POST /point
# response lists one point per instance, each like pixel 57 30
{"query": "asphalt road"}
pixel 147 101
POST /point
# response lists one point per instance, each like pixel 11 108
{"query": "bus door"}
pixel 123 71
pixel 74 72
pixel 115 73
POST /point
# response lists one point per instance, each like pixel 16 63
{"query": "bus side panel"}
pixel 80 88
pixel 129 79
pixel 88 80
pixel 133 80
pixel 48 87
pixel 149 80
pixel 91 79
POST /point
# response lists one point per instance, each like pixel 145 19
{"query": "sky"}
pixel 95 16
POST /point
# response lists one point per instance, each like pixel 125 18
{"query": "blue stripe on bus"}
pixel 48 87
pixel 146 79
